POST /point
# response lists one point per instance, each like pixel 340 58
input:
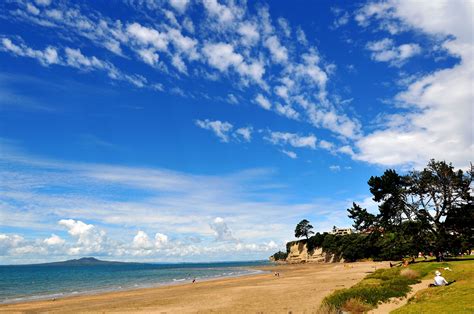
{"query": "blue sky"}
pixel 189 130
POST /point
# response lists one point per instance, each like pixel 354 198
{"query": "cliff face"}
pixel 298 253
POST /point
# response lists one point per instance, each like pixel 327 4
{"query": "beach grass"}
pixel 375 288
pixel 455 298
pixel 385 284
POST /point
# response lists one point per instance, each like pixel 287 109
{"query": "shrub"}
pixel 410 273
pixel 327 309
pixel 280 256
pixel 380 286
pixel 356 306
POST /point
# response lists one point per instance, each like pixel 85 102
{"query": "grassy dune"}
pixel 456 298
pixel 385 284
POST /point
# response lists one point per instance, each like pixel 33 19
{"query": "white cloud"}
pixel 89 238
pixel 432 127
pixel 44 3
pixel 142 241
pixel 219 11
pixel 278 52
pixel 341 20
pixel 32 9
pixel 179 5
pixel 245 133
pixel 222 56
pixel 221 230
pixel 287 111
pixel 254 205
pixel 263 102
pixel 45 57
pixel 149 56
pixel 54 240
pixel 147 36
pixel 290 154
pixel 301 36
pixel 73 58
pixel 179 64
pixel 183 44
pixel 220 129
pixel 295 140
pixel 335 168
pixel 326 145
pixel 161 240
pixel 231 98
pixel 231 39
pixel 76 59
pixel 285 26
pixel 385 51
pixel 249 33
pixel 8 242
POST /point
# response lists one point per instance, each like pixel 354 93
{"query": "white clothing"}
pixel 440 281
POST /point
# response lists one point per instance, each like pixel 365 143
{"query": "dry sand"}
pixel 299 289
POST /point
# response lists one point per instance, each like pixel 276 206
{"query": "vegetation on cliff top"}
pixel 423 211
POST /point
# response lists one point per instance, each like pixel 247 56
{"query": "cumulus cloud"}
pixel 432 127
pixel 278 52
pixel 89 238
pixel 219 11
pixel 219 128
pixel 263 102
pixel 161 240
pixel 249 33
pixel 287 111
pixel 142 241
pixel 244 133
pixel 386 51
pixel 179 5
pixel 54 240
pixel 221 230
pixel 8 242
pixel 221 56
pixel 46 57
pixel 147 36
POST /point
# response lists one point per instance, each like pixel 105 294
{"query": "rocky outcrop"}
pixel 298 253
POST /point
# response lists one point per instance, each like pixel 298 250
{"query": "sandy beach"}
pixel 300 288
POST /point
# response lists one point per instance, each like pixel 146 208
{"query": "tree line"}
pixel 427 211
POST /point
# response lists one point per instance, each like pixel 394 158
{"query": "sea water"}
pixel 20 283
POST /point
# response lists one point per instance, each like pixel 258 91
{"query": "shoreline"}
pixel 64 295
pixel 299 288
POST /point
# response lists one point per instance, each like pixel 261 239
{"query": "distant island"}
pixel 84 261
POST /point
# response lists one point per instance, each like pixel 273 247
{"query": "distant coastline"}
pixel 84 261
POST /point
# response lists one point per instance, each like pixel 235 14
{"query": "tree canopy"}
pixel 427 210
pixel 303 229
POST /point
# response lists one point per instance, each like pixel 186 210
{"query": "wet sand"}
pixel 300 288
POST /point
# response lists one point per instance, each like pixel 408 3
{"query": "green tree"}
pixel 428 210
pixel 303 229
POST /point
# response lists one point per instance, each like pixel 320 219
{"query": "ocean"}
pixel 34 282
